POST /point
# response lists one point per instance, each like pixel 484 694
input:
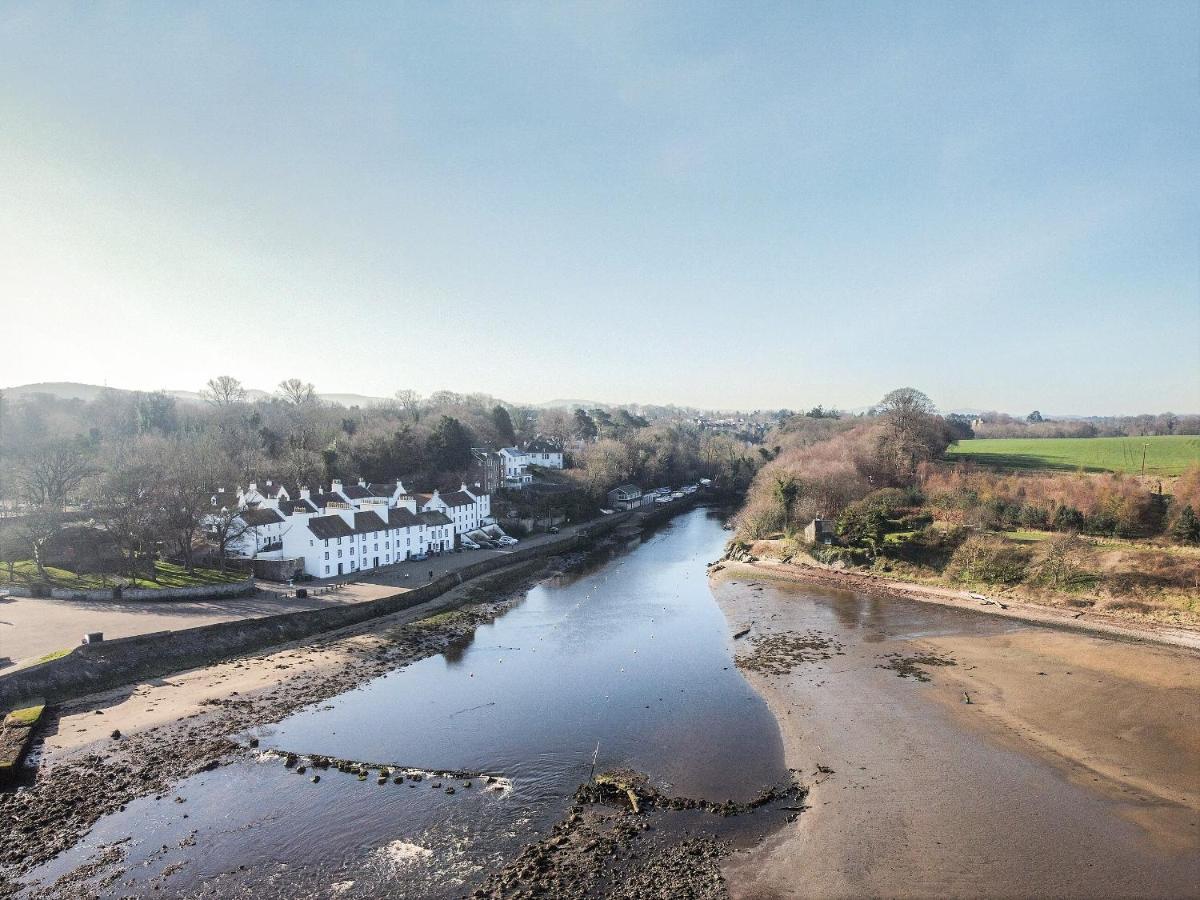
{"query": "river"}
pixel 1073 770
pixel 626 663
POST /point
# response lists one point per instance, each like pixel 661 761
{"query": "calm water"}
pixel 631 654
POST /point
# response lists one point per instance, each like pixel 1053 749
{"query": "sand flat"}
pixel 1080 785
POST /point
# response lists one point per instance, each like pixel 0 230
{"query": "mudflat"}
pixel 957 754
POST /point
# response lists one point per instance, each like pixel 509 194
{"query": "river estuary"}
pixel 946 753
pixel 626 662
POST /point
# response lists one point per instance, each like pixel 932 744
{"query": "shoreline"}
pixel 1099 624
pixel 99 752
pixel 1065 771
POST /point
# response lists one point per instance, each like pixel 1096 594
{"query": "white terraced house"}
pixel 516 461
pixel 351 527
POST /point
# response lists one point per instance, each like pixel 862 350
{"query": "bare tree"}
pixel 297 392
pixel 410 403
pixel 224 390
pixel 130 506
pixel 224 527
pixel 51 473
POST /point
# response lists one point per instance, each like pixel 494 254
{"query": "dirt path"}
pixel 1074 770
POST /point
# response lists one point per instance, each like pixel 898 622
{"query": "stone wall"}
pixel 197 592
pixel 108 664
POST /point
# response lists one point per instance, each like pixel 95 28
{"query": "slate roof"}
pixel 434 518
pixel 628 490
pixel 355 492
pixel 224 500
pixel 539 445
pixel 320 501
pixel 400 517
pixel 458 498
pixel 325 527
pixel 290 507
pixel 261 517
pixel 367 522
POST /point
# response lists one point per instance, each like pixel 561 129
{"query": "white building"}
pixel 514 468
pixel 515 462
pixel 353 527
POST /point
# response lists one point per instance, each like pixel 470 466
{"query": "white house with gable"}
pixel 353 527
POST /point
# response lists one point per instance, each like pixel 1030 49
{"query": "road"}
pixel 30 628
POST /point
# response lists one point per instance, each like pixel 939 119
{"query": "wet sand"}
pixel 1074 771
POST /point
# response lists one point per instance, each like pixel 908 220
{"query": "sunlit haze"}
pixel 726 205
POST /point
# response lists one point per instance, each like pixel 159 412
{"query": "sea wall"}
pixel 108 664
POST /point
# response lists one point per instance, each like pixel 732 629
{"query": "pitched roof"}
pixel 323 500
pixel 541 445
pixel 382 489
pixel 355 492
pixel 400 517
pixel 366 522
pixel 224 500
pixel 434 518
pixel 458 498
pixel 325 527
pixel 289 507
pixel 261 517
pixel 626 489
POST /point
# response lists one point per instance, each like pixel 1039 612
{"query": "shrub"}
pixel 988 560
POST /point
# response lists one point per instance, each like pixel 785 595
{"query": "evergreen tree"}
pixel 1186 529
pixel 450 445
pixel 505 432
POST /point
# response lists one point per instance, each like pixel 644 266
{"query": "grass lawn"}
pixel 1026 537
pixel 1165 454
pixel 169 576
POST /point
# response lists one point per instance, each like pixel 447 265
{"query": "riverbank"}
pixel 961 754
pixel 123 765
pixel 1001 607
pixel 105 750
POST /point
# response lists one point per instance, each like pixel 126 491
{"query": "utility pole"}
pixel 1145 446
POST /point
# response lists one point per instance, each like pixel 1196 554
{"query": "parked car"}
pixel 606 512
pixel 469 544
pixel 663 490
pixel 662 499
pixel 553 529
pixel 677 495
pixel 421 557
pixel 507 541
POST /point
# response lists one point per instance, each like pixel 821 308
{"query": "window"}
pixel 327 570
pixel 339 554
pixel 327 554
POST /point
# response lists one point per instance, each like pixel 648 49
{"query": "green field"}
pixel 1164 455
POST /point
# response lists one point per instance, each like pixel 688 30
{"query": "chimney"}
pixel 253 486
pixel 335 486
pixel 305 493
pixel 362 482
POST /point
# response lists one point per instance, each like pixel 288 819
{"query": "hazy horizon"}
pixel 717 207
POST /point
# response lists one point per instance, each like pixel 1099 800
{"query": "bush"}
pixel 989 560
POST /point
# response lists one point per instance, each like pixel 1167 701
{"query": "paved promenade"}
pixel 30 628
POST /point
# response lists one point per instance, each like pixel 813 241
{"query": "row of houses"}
pixel 351 527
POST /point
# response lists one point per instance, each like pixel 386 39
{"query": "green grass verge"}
pixel 169 576
pixel 27 716
pixel 1164 454
pixel 50 657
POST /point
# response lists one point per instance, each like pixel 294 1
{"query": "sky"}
pixel 724 205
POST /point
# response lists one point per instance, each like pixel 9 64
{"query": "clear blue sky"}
pixel 731 205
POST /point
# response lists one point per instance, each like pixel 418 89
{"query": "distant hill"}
pixel 71 390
